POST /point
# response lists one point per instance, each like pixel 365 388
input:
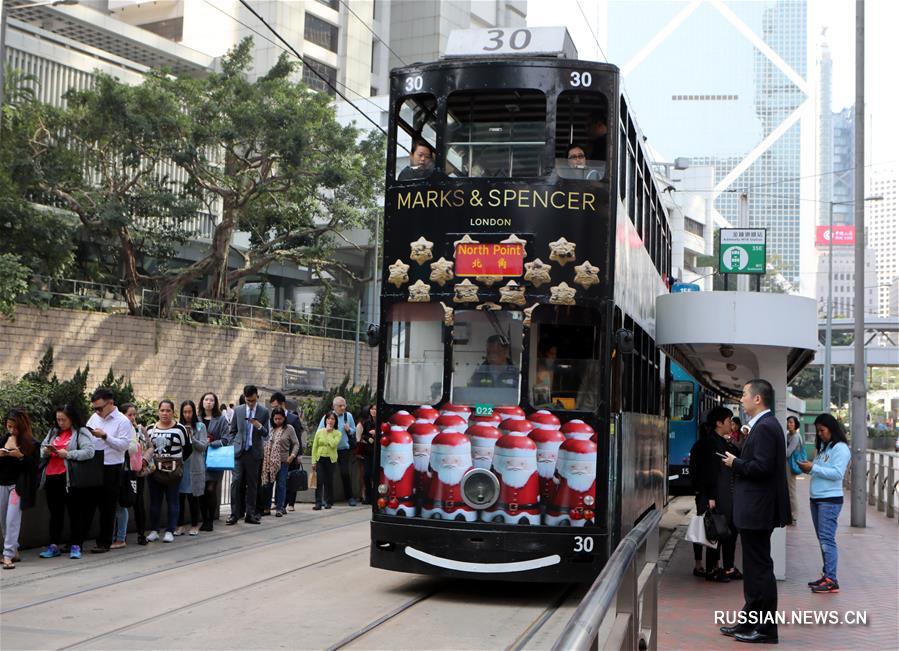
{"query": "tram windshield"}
pixel 682 401
pixel 416 137
pixel 582 135
pixel 486 357
pixel 496 134
pixel 414 373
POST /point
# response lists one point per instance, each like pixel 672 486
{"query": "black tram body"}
pixel 616 222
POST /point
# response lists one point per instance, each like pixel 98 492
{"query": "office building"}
pixel 882 225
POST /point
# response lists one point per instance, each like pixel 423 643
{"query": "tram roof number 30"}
pixel 543 41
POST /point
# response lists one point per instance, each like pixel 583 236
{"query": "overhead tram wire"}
pixel 373 33
pixel 595 38
pixel 301 58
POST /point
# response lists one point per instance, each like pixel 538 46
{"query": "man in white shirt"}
pixel 112 434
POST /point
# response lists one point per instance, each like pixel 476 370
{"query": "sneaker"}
pixel 74 551
pixel 52 551
pixel 118 544
pixel 153 536
pixel 179 531
pixel 194 531
pixel 812 584
pixel 168 537
pixel 828 586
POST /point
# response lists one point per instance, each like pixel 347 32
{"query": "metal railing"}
pixel 882 481
pixel 101 297
pixel 620 611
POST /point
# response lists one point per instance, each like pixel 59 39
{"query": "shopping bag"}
pixel 313 478
pixel 696 532
pixel 220 458
pixel 87 473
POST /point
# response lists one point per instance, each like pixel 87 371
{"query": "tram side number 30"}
pixel 583 544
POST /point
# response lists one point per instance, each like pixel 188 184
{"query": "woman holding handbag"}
pixel 217 425
pixel 18 480
pixel 169 440
pixel 67 443
pixel 324 456
pixel 193 483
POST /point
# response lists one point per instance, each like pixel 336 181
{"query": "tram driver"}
pixel 497 369
pixel 421 161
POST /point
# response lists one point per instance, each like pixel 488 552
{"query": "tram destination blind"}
pixel 534 41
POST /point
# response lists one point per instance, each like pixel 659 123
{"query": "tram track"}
pixel 212 555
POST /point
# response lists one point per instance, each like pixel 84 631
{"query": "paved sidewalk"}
pixel 869 582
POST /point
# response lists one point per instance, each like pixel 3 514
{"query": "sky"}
pixel 587 21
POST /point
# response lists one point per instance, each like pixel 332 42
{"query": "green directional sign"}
pixel 742 251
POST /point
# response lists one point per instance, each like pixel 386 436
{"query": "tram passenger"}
pixel 547 351
pixel 597 131
pixel 577 165
pixel 421 161
pixel 497 369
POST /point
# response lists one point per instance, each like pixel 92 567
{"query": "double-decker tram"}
pixel 520 390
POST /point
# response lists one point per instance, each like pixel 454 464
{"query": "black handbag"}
pixel 297 480
pixel 716 528
pixel 87 473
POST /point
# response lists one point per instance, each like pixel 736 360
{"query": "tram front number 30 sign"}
pixel 742 251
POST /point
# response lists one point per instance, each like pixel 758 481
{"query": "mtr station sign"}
pixel 742 251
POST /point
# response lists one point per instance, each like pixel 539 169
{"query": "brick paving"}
pixel 869 582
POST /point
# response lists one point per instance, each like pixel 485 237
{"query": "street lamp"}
pixel 828 332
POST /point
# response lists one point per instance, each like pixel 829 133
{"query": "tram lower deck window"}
pixel 486 357
pixel 414 373
pixel 496 133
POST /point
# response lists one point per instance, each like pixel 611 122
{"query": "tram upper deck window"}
pixel 682 407
pixel 500 133
pixel 486 357
pixel 564 354
pixel 414 373
pixel 416 137
pixel 582 147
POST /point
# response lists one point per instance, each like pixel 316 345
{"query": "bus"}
pixel 524 246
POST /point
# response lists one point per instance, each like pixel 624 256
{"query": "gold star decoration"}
pixel 399 273
pixel 465 292
pixel 488 306
pixel 419 292
pixel 537 272
pixel 514 239
pixel 488 280
pixel 441 271
pixel 448 314
pixel 512 293
pixel 528 313
pixel 562 294
pixel 421 250
pixel 562 251
pixel 586 275
pixel 466 239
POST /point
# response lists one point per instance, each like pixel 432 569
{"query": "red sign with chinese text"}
pixel 842 235
pixel 489 259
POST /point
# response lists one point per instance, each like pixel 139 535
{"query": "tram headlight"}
pixel 480 488
pixel 382 489
pixel 588 500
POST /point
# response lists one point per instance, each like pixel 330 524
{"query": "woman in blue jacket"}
pixel 826 494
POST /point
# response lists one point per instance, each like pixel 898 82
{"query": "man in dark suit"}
pixel 248 433
pixel 761 504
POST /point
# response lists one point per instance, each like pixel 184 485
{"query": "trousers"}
pixel 759 584
pixel 11 518
pixel 246 469
pixel 324 491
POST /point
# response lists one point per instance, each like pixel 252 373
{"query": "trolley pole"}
pixel 859 391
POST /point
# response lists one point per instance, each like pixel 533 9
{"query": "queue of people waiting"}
pixel 103 467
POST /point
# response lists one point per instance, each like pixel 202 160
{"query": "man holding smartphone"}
pixel 248 434
pixel 112 434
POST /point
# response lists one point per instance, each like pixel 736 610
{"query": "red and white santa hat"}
pixel 451 423
pixel 493 420
pixel 483 436
pixel 578 450
pixel 423 432
pixel 451 443
pixel 544 420
pixel 547 439
pixel 515 446
pixel 397 438
pixel 425 414
pixel 507 412
pixel 578 429
pixel 516 427
pixel 402 418
pixel 458 410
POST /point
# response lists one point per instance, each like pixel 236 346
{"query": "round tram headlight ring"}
pixel 480 488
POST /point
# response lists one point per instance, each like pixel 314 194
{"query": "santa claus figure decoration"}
pixel 493 420
pixel 515 465
pixel 483 440
pixel 422 436
pixel 548 442
pixel 457 410
pixel 516 427
pixel 507 412
pixel 578 429
pixel 401 419
pixel 397 475
pixel 451 423
pixel 450 460
pixel 574 500
pixel 425 414
pixel 544 420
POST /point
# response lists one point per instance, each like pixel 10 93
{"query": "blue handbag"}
pixel 798 455
pixel 220 458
